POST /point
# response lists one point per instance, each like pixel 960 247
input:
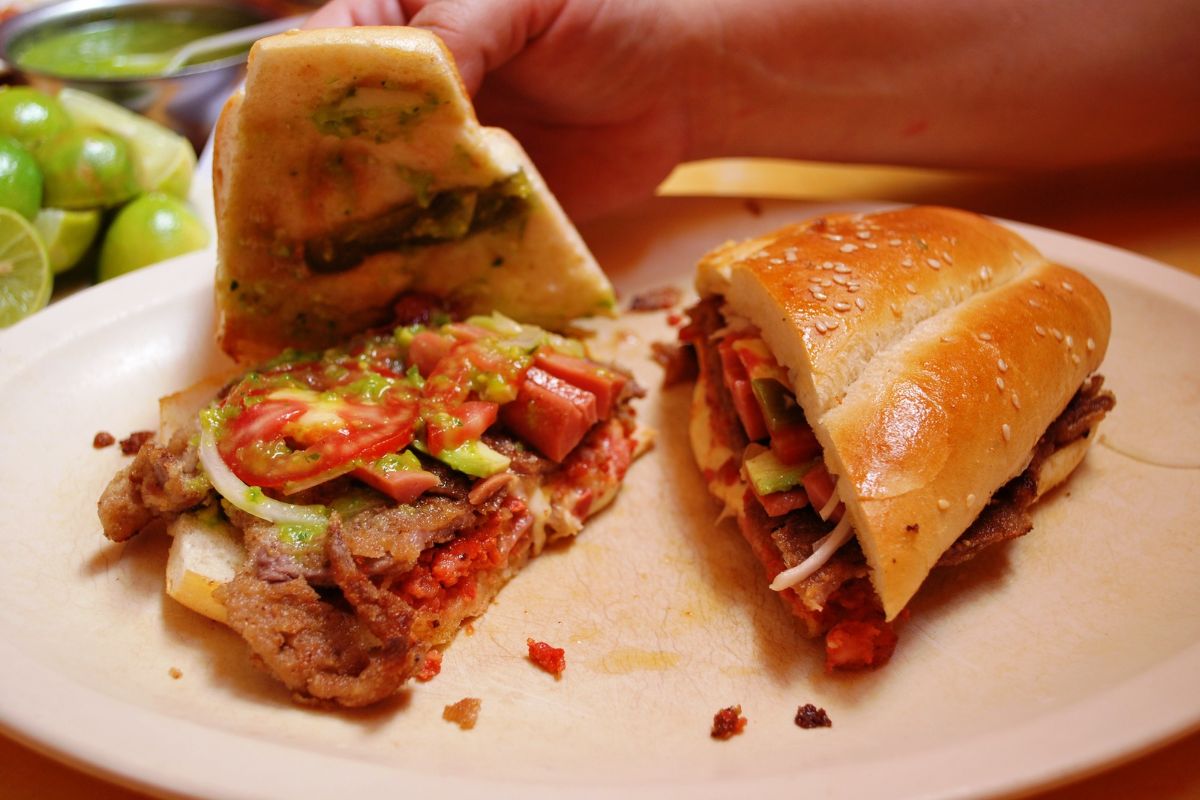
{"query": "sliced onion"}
pixel 250 499
pixel 830 506
pixel 824 548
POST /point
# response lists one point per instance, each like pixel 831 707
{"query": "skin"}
pixel 609 96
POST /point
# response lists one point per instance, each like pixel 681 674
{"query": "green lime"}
pixel 152 228
pixel 87 168
pixel 67 235
pixel 31 117
pixel 25 278
pixel 20 179
pixel 163 160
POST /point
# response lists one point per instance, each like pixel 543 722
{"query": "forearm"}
pixel 1002 83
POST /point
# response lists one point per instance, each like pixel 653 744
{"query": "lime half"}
pixel 67 235
pixel 25 277
pixel 162 159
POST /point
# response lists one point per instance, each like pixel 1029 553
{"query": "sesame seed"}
pixel 911 289
pixel 858 301
pixel 833 237
pixel 832 323
pixel 933 262
pixel 863 234
pixel 840 306
pixel 945 339
pixel 1000 383
pixel 1037 283
pixel 971 499
pixel 1068 286
pixel 949 259
pixel 775 261
pixel 1056 333
pixel 943 504
pixel 1006 431
pixel 1002 364
pixel 985 336
pixel 894 242
pixel 895 308
pixel 820 296
pixel 826 282
pixel 1091 344
pixel 852 287
pixel 907 262
pixel 1039 330
pixel 1070 341
pixel 985 273
pixel 848 247
pixel 841 269
pixel 840 280
pixel 826 265
pixel 871 246
pixel 791 256
pixel 1033 303
pixel 820 326
pixel 1016 401
pixel 1075 358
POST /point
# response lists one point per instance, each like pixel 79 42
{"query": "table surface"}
pixel 1154 211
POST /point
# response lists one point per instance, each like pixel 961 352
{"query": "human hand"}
pixel 597 93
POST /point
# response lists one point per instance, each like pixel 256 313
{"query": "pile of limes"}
pixel 84 181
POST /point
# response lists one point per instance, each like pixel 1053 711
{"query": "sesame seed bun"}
pixel 359 127
pixel 930 349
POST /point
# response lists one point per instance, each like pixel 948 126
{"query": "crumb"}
pixel 753 206
pixel 468 628
pixel 131 445
pixel 464 713
pixel 551 659
pixel 430 667
pixel 103 439
pixel 658 299
pixel 728 722
pixel 175 672
pixel 809 716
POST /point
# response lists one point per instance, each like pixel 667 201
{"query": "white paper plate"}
pixel 1074 647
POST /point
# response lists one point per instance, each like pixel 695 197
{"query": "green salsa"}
pixel 129 47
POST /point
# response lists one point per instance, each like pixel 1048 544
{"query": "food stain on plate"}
pixel 625 660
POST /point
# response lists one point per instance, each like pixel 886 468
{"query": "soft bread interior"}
pixel 929 349
pixel 336 130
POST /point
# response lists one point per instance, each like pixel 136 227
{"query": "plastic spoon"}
pixel 228 40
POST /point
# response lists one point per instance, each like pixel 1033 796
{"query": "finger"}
pixel 347 13
pixel 483 35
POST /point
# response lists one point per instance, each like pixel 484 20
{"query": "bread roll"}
pixel 929 349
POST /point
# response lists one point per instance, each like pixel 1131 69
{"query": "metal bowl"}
pixel 188 101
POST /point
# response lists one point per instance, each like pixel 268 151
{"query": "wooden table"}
pixel 1154 211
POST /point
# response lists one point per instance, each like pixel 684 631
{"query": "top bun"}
pixel 930 349
pixel 352 168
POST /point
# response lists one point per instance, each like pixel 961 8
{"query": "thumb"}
pixel 483 35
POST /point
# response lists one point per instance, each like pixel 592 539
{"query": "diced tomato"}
pixel 547 657
pixel 748 410
pixel 591 377
pixel 550 414
pixel 466 333
pixel 427 349
pixel 795 443
pixel 777 504
pixel 450 428
pixel 402 485
pixel 820 486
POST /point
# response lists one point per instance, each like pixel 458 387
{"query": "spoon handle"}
pixel 228 39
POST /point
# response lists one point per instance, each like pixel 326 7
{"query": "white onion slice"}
pixel 830 506
pixel 252 500
pixel 824 548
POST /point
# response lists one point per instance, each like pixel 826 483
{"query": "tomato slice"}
pixel 260 444
pixel 550 414
pixel 448 429
pixel 587 375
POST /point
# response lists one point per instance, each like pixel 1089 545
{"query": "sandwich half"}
pixel 879 394
pixel 399 447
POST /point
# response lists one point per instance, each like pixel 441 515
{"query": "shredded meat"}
pixel 659 299
pixel 809 716
pixel 728 722
pixel 464 713
pixel 677 360
pixel 160 483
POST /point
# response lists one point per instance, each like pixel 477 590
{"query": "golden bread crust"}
pixel 928 364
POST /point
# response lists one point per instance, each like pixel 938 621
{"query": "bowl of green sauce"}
pixel 118 49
